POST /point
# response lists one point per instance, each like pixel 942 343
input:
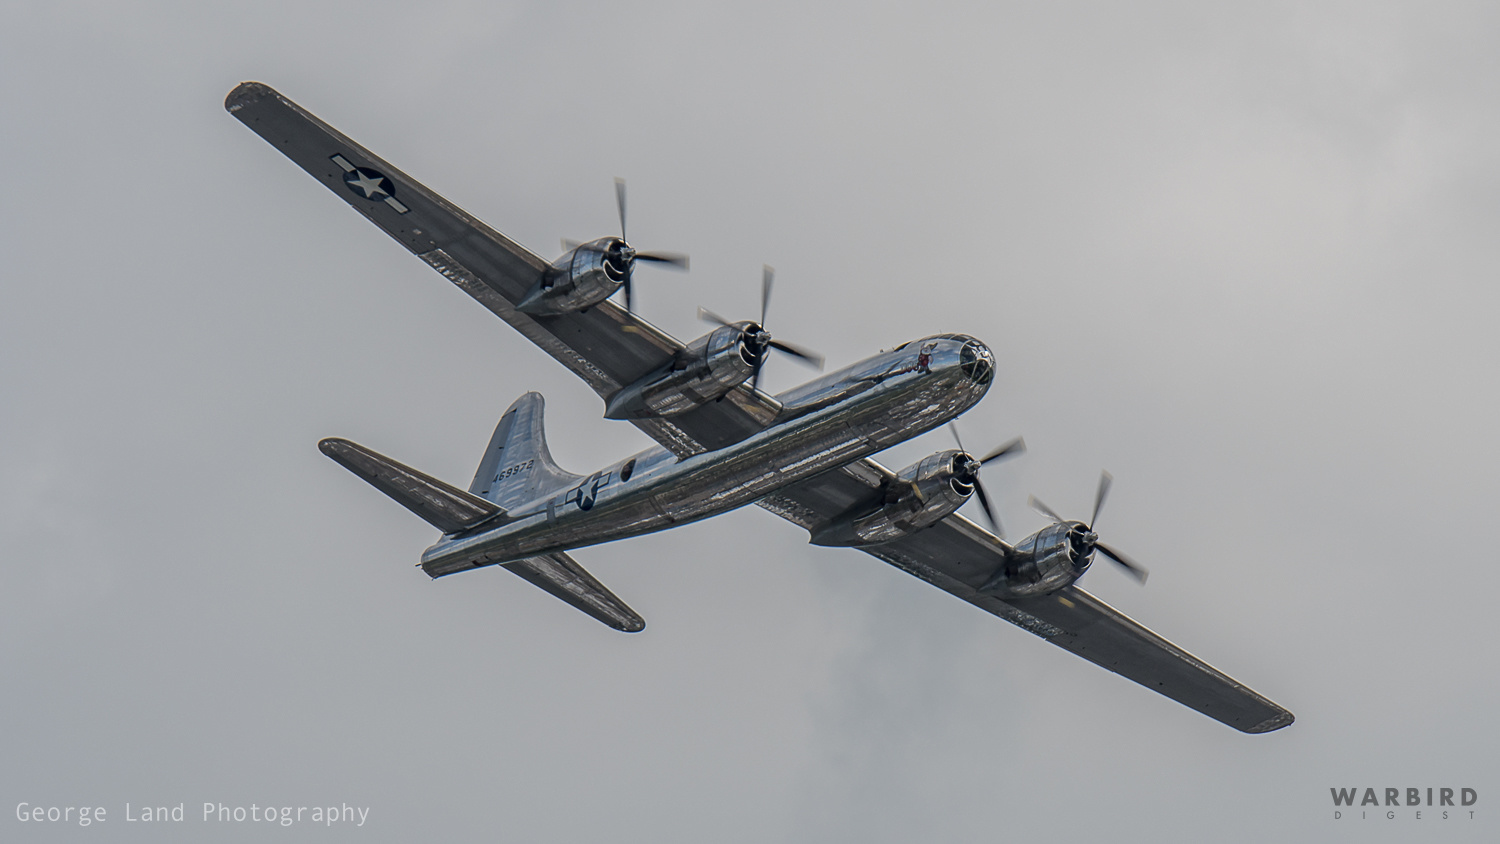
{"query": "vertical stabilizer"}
pixel 517 467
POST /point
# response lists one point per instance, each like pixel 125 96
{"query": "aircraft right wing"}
pixel 958 556
pixel 605 345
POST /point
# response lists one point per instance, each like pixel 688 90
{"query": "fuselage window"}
pixel 627 470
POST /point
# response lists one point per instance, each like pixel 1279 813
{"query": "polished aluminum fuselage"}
pixel 827 423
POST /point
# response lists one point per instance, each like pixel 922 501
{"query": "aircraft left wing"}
pixel 605 345
pixel 958 556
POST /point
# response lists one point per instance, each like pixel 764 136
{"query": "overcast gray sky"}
pixel 1243 257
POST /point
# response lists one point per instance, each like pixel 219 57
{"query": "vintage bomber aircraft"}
pixel 804 455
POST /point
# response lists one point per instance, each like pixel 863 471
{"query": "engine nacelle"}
pixel 707 369
pixel 922 494
pixel 582 278
pixel 1043 563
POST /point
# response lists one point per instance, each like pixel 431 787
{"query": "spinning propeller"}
pixel 757 339
pixel 966 471
pixel 620 256
pixel 1082 536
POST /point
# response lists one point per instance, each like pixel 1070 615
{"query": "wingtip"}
pixel 1276 722
pixel 246 93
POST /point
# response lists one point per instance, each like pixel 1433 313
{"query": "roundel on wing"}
pixel 369 184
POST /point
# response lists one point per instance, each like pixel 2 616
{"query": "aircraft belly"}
pixel 700 486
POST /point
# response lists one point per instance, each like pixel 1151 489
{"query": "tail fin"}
pixel 446 508
pixel 517 466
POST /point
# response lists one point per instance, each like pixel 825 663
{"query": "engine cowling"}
pixel 582 278
pixel 707 369
pixel 920 495
pixel 1044 562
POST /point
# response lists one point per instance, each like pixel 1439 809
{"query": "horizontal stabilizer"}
pixel 446 508
pixel 561 576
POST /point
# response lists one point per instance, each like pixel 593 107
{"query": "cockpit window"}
pixel 976 362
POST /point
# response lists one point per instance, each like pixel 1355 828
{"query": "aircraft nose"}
pixel 977 362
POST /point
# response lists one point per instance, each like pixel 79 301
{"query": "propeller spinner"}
pixel 757 339
pixel 620 256
pixel 1082 536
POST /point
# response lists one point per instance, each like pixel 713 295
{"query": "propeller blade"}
pixel 569 244
pixel 763 339
pixel 709 316
pixel 956 438
pixel 1105 479
pixel 767 275
pixel 1036 504
pixel 620 201
pixel 989 512
pixel 673 259
pixel 626 285
pixel 1015 446
pixel 808 355
pixel 1136 570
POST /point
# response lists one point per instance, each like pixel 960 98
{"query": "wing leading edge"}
pixel 958 556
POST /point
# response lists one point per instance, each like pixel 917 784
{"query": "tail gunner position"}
pixel 804 455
